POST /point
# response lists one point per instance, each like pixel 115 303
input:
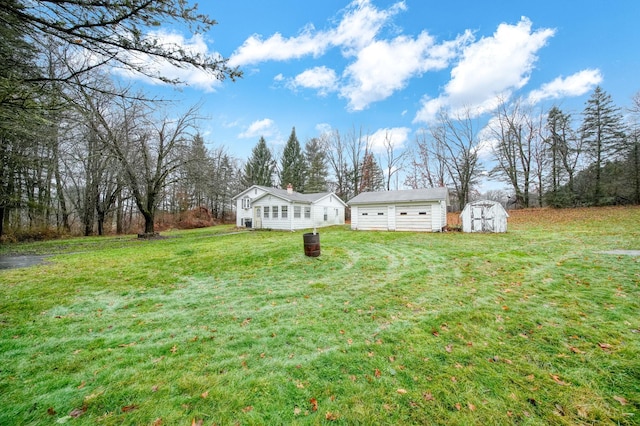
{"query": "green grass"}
pixel 530 327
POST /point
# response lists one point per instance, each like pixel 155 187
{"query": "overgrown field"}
pixel 532 327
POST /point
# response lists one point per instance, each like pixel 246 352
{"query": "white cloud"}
pixel 383 67
pixel 574 85
pixel 279 48
pixel 360 24
pixel 492 66
pixel 265 127
pixel 190 75
pixel 322 79
pixel 396 136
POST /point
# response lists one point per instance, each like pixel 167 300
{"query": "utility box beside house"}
pixel 484 216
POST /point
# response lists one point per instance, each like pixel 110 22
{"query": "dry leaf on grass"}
pixel 621 400
pixel 557 379
pixel 314 404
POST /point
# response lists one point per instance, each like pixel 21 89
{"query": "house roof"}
pixel 402 196
pixel 291 197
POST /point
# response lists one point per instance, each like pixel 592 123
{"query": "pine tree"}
pixel 603 135
pixel 316 159
pixel 260 167
pixel 371 175
pixel 292 165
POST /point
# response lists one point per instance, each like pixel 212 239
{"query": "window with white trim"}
pixel 307 212
pixel 246 203
pixel 266 212
pixel 285 211
pixel 275 211
pixel 296 212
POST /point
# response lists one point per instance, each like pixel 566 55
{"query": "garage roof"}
pixel 402 196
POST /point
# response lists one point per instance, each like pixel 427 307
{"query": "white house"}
pixel 484 216
pixel 405 210
pixel 274 208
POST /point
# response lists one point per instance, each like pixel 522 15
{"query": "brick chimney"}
pixel 289 189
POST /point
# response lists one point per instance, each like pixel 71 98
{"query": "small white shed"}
pixel 404 210
pixel 484 216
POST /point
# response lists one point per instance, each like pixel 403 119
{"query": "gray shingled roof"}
pixel 402 196
pixel 294 196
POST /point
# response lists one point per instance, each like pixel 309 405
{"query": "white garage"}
pixel 405 210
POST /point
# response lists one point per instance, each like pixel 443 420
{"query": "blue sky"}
pixel 386 67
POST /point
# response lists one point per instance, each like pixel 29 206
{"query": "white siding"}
pixel 412 217
pixel 484 216
pixel 242 212
pixel 373 218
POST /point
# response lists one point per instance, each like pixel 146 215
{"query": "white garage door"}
pixel 373 218
pixel 413 218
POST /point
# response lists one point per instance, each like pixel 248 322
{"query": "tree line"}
pixel 81 153
pixel 545 158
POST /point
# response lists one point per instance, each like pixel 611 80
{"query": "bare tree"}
pixel 455 144
pixel 427 166
pixel 394 160
pixel 336 149
pixel 516 133
pixel 148 152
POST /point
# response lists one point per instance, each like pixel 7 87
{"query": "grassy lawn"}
pixel 535 326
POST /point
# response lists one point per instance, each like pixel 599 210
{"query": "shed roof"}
pixel 401 196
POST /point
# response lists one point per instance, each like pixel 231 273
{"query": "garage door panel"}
pixel 373 218
pixel 413 218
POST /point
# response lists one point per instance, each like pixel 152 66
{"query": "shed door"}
pixel 482 218
pixel 413 218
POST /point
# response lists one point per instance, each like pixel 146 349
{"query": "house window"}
pixel 336 212
pixel 266 212
pixel 326 214
pixel 285 211
pixel 296 212
pixel 246 203
pixel 275 212
pixel 307 212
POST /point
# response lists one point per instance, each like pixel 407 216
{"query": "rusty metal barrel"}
pixel 311 244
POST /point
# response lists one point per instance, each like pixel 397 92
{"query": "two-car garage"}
pixel 406 210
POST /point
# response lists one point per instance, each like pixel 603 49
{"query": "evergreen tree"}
pixel 371 175
pixel 293 165
pixel 316 159
pixel 563 151
pixel 260 166
pixel 603 136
